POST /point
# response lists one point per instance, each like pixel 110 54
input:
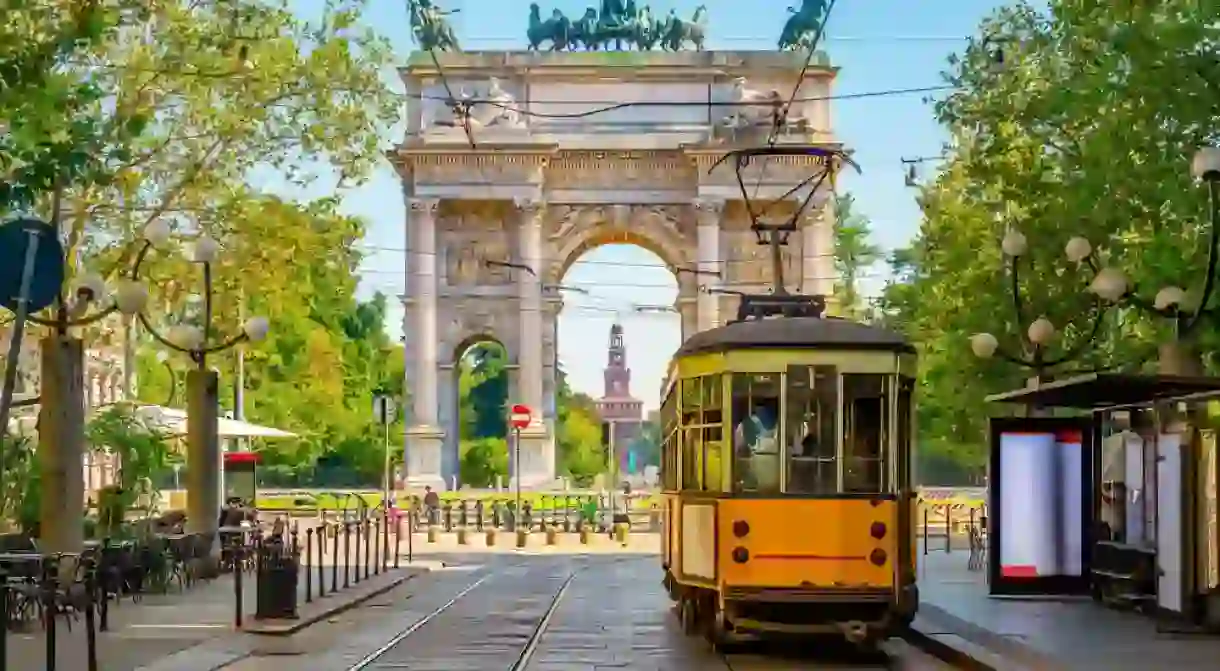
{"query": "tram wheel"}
pixel 688 616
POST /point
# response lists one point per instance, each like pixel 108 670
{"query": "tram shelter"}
pixel 1109 488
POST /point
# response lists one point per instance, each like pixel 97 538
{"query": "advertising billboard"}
pixel 1040 504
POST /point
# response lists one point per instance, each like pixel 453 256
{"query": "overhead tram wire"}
pixel 780 117
pixel 611 107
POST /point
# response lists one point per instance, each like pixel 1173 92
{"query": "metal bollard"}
pixel 461 535
pixel 50 586
pixel 490 537
pixel 448 510
pixel 925 530
pixel 368 524
pixel 620 533
pixel 948 529
pixel 398 538
pixel 551 532
pixel 377 556
pixel 4 619
pixel 584 534
pixel 522 534
pixel 334 559
pixel 356 565
pixel 308 565
pixel 347 554
pixel 431 533
pixel 90 566
pixel 321 559
pixel 238 589
pixel 478 515
pixel 463 516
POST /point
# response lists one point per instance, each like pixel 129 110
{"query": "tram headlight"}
pixel 741 528
pixel 741 555
pixel 877 530
pixel 878 557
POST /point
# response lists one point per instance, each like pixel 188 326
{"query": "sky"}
pixel 880 45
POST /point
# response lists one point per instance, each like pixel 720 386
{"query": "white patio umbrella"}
pixel 173 422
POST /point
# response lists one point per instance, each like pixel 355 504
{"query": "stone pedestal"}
pixel 423 458
pixel 61 445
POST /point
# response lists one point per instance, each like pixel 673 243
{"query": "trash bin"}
pixel 276 577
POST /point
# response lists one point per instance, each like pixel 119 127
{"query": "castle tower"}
pixel 622 415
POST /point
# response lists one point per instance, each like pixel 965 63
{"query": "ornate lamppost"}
pixel 1110 284
pixel 204 456
pixel 1039 333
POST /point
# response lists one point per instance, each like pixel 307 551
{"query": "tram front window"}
pixel 812 430
pixel 756 460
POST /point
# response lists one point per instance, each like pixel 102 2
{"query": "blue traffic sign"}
pixel 48 275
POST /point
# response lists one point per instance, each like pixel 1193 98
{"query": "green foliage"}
pixel 578 441
pixel 143 457
pixel 55 124
pixel 855 253
pixel 1085 126
pixel 21 496
pixel 482 460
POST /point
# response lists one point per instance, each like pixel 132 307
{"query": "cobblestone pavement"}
pixel 481 613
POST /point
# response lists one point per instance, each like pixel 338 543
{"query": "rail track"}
pixel 447 615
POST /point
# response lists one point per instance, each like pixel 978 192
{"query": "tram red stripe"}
pixel 818 557
pixel 1019 571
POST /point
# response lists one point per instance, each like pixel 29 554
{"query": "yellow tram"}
pixel 788 502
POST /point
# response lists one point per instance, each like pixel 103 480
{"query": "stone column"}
pixel 535 439
pixel 817 251
pixel 61 445
pixel 425 437
pixel 708 212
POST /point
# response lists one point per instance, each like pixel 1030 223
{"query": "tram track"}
pixel 438 618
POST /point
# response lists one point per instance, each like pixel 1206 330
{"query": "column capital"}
pixel 708 210
pixel 529 206
pixel 426 206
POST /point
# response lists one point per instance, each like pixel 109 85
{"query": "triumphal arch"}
pixel 503 195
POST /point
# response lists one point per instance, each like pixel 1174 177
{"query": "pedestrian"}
pixel 432 502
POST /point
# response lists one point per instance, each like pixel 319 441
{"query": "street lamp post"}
pixel 1177 357
pixel 1039 333
pixel 204 455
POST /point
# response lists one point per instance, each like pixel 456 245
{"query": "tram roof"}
pixel 795 333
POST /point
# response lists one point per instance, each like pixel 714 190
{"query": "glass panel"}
pixel 906 389
pixel 756 458
pixel 669 438
pixel 865 408
pixel 712 429
pixel 692 455
pixel 692 401
pixel 812 430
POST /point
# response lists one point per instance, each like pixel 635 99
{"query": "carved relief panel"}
pixel 462 319
pixel 470 237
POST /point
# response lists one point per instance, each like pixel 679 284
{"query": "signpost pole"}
pixel 14 347
pixel 517 473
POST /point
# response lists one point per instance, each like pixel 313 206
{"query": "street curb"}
pixel 941 650
pixel 296 626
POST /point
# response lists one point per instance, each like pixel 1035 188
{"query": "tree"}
pixel 55 125
pixel 1076 120
pixel 483 460
pixel 854 253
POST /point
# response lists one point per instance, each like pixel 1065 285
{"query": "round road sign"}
pixel 48 277
pixel 520 416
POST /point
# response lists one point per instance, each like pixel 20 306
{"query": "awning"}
pixel 173 422
pixel 1108 390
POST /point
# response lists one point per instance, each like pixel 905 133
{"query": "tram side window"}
pixel 669 437
pixel 692 443
pixel 906 390
pixel 865 407
pixel 712 428
pixel 812 428
pixel 756 426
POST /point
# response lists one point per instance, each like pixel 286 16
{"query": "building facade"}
pixel 622 414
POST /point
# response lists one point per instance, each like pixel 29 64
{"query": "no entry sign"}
pixel 520 416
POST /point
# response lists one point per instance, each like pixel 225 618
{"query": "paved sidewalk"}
pixel 1067 633
pixel 160 625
